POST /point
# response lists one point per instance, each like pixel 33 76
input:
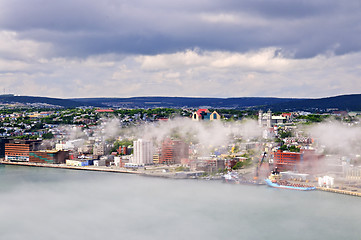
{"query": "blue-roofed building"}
pixel 205 115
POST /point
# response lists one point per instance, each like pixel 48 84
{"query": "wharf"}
pixel 150 173
pixel 340 191
pixel 63 166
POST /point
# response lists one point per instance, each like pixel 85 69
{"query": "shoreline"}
pixel 172 175
pixel 339 191
pixel 63 166
pixel 149 174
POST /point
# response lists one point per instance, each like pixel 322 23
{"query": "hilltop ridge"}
pixel 350 102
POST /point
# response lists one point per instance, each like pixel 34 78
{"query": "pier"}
pixel 143 172
pixel 63 166
pixel 340 191
pixel 346 191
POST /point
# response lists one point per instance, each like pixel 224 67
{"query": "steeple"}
pixel 269 118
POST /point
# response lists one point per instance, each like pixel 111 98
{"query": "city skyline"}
pixel 243 48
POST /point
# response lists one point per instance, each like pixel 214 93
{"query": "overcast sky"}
pixel 218 48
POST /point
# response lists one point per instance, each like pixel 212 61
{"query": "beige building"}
pixel 205 115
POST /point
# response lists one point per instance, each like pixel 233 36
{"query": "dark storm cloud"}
pixel 82 28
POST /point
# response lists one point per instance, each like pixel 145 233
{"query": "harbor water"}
pixel 41 203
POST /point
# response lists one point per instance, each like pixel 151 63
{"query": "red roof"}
pixel 104 110
pixel 163 119
pixel 202 110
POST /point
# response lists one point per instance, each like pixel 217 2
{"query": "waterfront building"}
pixel 156 158
pixel 99 162
pixel 207 164
pixel 79 162
pixel 48 156
pixel 28 151
pixel 285 161
pixel 117 161
pixel 19 150
pixel 307 160
pixel 143 152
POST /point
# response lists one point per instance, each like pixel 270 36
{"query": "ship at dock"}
pixel 274 180
pixel 235 178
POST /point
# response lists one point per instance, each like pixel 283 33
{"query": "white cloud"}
pixel 13 48
pixel 264 59
pixel 221 18
pixel 266 72
pixel 240 19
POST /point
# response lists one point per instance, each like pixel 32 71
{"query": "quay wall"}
pixel 340 191
pixel 99 169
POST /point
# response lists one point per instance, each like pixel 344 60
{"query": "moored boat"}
pixel 235 178
pixel 274 180
pixel 287 185
pixel 231 177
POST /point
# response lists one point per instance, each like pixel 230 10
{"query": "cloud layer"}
pixel 184 48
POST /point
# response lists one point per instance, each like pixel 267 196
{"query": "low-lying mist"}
pixel 337 137
pixel 210 134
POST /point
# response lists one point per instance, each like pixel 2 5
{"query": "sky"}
pixel 233 48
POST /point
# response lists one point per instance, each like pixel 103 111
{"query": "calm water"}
pixel 39 203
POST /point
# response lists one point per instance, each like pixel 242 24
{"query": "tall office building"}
pixel 173 151
pixel 143 152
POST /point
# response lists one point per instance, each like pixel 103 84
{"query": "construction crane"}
pixel 258 167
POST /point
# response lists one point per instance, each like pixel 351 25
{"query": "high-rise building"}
pixel 173 151
pixel 143 152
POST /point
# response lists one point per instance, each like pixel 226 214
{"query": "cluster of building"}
pixel 17 150
pixel 302 154
pixel 169 152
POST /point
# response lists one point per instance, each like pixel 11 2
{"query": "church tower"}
pixel 269 118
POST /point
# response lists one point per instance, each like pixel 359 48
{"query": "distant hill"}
pixel 41 102
pixel 344 102
pixel 177 102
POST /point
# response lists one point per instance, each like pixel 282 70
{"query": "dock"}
pixel 174 175
pixel 346 191
pixel 63 166
pixel 340 191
